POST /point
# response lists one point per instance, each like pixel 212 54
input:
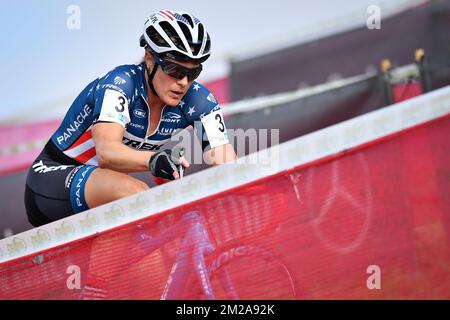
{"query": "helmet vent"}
pixel 189 19
pixel 201 33
pixel 208 44
pixel 156 38
pixel 170 31
pixel 186 31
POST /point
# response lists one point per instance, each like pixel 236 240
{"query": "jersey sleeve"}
pixel 205 115
pixel 113 97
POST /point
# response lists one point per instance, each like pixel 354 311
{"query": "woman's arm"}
pixel 114 155
pixel 220 155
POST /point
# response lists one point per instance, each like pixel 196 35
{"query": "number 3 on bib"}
pixel 114 108
pixel 215 129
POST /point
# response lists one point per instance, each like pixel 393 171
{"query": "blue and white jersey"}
pixel 120 97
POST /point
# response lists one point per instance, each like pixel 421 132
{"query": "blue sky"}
pixel 44 64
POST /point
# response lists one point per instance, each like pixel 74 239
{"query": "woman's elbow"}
pixel 104 162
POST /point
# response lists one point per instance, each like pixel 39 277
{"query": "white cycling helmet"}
pixel 178 35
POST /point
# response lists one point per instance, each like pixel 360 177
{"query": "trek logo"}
pixel 118 81
pixel 171 117
pixel 77 123
pixel 141 145
pixel 40 167
pixel 211 98
pixel 140 113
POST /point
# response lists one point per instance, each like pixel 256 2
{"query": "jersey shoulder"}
pixel 124 79
pixel 199 101
pixel 116 93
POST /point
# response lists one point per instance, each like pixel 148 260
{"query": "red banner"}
pixel 405 91
pixel 369 223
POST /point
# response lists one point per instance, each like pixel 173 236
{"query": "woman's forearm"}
pixel 118 157
pixel 220 155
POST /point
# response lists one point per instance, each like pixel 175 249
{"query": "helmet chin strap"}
pixel 150 78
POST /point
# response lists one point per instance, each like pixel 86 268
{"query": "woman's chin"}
pixel 172 101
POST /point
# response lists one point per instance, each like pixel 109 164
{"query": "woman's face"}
pixel 169 89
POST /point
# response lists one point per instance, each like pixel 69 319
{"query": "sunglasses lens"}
pixel 179 72
pixel 173 70
pixel 195 73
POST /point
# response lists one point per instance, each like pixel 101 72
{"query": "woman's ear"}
pixel 148 60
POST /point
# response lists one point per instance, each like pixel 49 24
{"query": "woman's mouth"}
pixel 176 94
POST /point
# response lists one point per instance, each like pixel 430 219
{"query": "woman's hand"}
pixel 168 164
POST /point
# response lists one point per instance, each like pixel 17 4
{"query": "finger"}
pixel 169 169
pixel 176 175
pixel 170 164
pixel 184 162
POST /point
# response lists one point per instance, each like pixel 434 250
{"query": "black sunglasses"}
pixel 178 71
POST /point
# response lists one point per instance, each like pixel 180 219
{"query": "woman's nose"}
pixel 184 81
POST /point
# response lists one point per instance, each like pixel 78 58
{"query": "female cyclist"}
pixel 119 123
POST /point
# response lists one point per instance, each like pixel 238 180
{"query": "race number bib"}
pixel 215 129
pixel 115 108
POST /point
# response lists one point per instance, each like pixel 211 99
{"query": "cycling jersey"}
pixel 120 97
pixel 57 179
